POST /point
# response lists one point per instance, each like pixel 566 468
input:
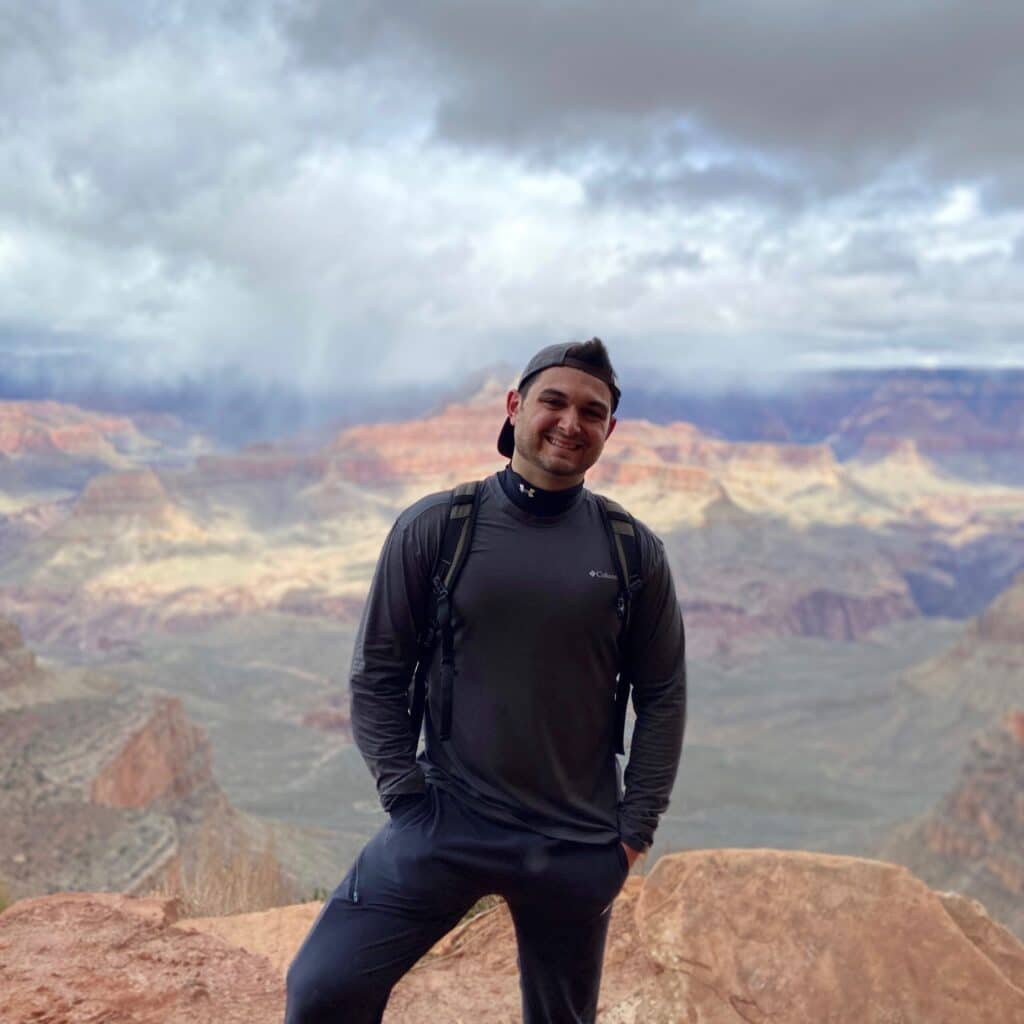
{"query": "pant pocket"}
pixel 351 884
pixel 623 859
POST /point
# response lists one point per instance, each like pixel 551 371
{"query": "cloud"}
pixel 847 90
pixel 876 252
pixel 328 197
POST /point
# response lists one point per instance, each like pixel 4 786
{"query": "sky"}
pixel 328 196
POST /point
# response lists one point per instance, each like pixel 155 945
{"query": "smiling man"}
pixel 562 597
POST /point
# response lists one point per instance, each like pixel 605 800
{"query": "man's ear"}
pixel 513 402
pixel 611 427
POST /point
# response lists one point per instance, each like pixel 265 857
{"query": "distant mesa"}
pixel 53 430
pixel 944 415
pixel 136 492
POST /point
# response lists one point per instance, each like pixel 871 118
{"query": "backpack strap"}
pixel 622 540
pixel 455 545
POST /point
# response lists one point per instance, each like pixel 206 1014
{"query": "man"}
pixel 517 791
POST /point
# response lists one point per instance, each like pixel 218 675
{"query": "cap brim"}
pixel 506 440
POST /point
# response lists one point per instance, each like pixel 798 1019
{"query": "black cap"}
pixel 557 355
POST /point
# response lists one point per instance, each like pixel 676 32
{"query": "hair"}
pixel 592 352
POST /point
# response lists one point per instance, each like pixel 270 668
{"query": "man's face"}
pixel 560 425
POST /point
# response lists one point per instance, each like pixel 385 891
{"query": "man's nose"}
pixel 570 420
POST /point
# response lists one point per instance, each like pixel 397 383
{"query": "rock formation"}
pixel 57 430
pixel 79 957
pixel 709 937
pixel 17 662
pixel 166 758
pixel 984 670
pixel 974 840
pixel 101 785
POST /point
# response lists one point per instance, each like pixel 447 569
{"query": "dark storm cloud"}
pixel 845 89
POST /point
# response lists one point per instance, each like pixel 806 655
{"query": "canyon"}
pixel 102 786
pixel 846 569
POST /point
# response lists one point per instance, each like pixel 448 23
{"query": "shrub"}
pixel 224 875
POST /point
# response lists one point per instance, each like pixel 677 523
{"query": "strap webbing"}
pixel 626 556
pixel 455 544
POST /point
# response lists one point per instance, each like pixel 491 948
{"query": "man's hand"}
pixel 631 855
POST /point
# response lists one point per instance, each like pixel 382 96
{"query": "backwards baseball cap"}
pixel 558 355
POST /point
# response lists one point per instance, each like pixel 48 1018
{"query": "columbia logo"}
pixel 600 574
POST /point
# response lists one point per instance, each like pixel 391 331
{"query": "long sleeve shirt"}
pixel 536 638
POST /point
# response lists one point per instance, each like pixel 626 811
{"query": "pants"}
pixel 416 879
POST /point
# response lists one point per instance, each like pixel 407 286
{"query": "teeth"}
pixel 563 444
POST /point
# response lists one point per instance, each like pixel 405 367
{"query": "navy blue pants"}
pixel 414 881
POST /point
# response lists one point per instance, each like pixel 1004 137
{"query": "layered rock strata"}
pixel 974 840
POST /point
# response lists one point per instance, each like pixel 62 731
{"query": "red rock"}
pixel 54 429
pixel 709 937
pixel 83 957
pixel 167 758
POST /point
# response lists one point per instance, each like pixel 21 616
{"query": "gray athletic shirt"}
pixel 536 654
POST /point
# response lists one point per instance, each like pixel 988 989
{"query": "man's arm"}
pixel 385 651
pixel 656 649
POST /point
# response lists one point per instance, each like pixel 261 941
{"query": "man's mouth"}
pixel 570 446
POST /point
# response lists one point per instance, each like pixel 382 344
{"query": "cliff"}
pixel 165 758
pixel 54 430
pixel 974 839
pixel 101 785
pixel 17 662
pixel 984 670
pixel 709 937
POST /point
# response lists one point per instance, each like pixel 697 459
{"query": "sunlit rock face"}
pixel 766 539
pixel 53 429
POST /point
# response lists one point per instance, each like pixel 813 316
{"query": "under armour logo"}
pixel 528 491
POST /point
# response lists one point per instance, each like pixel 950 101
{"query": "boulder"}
pixel 105 957
pixel 709 937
